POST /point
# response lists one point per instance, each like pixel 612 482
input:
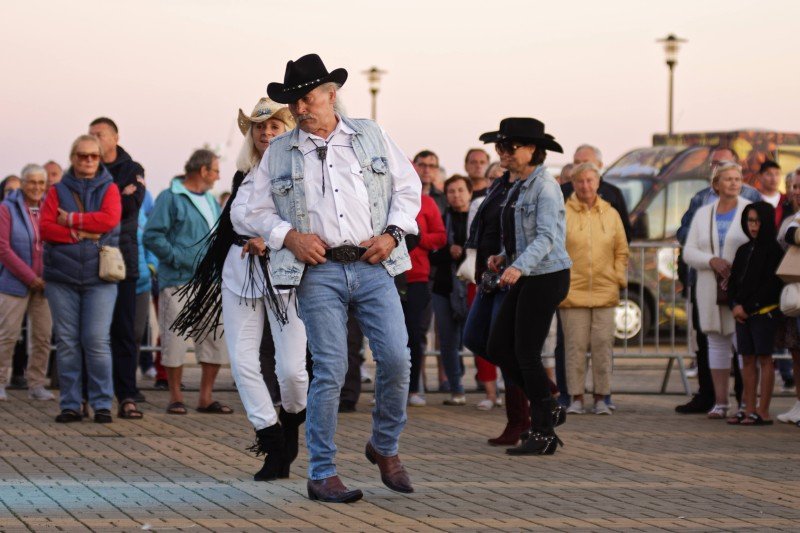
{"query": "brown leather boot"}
pixel 332 490
pixel 393 474
pixel 518 414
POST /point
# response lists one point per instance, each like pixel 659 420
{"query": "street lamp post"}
pixel 671 46
pixel 374 78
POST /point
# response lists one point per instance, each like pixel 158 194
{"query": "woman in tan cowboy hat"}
pixel 230 283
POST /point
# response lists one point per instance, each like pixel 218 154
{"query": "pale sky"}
pixel 173 73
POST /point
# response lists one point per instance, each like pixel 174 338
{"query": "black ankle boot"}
pixel 537 444
pixel 291 423
pixel 270 442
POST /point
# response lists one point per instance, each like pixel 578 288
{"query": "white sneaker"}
pixel 792 416
pixel 366 375
pixel 691 372
pixel 40 393
pixel 498 402
pixel 576 408
pixel 600 408
pixel 151 372
pixel 3 396
pixel 456 399
pixel 416 400
pixel 372 400
pixel 485 405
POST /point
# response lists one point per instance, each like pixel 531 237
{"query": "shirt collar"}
pixel 341 127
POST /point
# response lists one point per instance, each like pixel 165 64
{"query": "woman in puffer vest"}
pixel 81 214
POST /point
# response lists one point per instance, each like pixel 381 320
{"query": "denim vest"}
pixel 540 225
pixel 79 263
pixel 286 165
pixel 21 240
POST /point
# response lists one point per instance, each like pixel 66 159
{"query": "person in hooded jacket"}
pixel 128 175
pixel 754 294
pixel 81 213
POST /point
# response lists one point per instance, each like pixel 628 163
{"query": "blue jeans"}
pixel 449 331
pixel 481 319
pixel 325 293
pixel 82 324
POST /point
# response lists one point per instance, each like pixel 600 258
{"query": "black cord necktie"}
pixel 322 154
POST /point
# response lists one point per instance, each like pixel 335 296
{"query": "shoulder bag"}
pixel 112 264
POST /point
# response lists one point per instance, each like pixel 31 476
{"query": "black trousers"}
pixel 351 390
pixel 417 311
pixel 124 344
pixel 519 333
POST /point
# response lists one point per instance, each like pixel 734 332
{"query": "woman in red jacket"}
pixel 416 306
pixel 81 214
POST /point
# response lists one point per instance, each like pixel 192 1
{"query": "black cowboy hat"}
pixel 301 77
pixel 523 129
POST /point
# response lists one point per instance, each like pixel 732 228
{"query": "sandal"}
pixel 737 419
pixel 718 412
pixel 754 419
pixel 215 408
pixel 131 414
pixel 177 408
pixel 68 415
pixel 102 416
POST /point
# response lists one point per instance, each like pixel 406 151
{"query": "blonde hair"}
pixel 577 170
pixel 85 138
pixel 248 154
pixel 727 165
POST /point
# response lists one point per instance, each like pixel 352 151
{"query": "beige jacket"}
pixel 599 251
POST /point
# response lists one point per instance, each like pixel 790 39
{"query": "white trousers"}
pixel 720 350
pixel 243 319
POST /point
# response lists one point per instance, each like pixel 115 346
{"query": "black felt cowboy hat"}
pixel 523 129
pixel 301 77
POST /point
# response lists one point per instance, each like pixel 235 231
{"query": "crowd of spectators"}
pixel 55 224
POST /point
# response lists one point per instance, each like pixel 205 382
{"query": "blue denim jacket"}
pixel 286 165
pixel 540 225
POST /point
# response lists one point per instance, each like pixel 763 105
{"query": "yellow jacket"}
pixel 599 251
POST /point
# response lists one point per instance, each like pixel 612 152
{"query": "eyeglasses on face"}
pixel 426 165
pixel 84 156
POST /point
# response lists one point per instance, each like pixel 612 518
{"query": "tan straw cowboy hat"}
pixel 265 109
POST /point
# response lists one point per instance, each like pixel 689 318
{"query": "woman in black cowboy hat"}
pixel 535 265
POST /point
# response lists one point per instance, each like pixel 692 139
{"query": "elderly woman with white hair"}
pixel 714 236
pixel 226 277
pixel 599 251
pixel 21 283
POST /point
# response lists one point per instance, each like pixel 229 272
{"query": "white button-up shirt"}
pixel 341 215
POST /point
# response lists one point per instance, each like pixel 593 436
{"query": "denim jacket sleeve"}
pixel 546 207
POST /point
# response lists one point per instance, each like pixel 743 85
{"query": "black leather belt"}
pixel 345 254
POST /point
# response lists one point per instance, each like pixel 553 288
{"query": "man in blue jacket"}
pixel 175 232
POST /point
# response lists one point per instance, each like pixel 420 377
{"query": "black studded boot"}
pixel 543 439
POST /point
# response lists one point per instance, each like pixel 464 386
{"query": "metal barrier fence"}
pixel 653 310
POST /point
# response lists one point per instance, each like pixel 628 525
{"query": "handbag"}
pixel 789 269
pixel 790 300
pixel 111 263
pixel 722 283
pixel 466 271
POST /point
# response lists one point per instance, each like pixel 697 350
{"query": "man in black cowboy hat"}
pixel 333 199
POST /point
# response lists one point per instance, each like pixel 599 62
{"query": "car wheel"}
pixel 631 319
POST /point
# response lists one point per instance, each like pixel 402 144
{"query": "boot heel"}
pixel 284 472
pixel 311 495
pixel 369 456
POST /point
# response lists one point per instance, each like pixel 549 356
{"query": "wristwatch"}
pixel 395 232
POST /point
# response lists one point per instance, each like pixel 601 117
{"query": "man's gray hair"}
pixel 582 168
pixel 338 105
pixel 597 153
pixel 199 159
pixel 31 170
